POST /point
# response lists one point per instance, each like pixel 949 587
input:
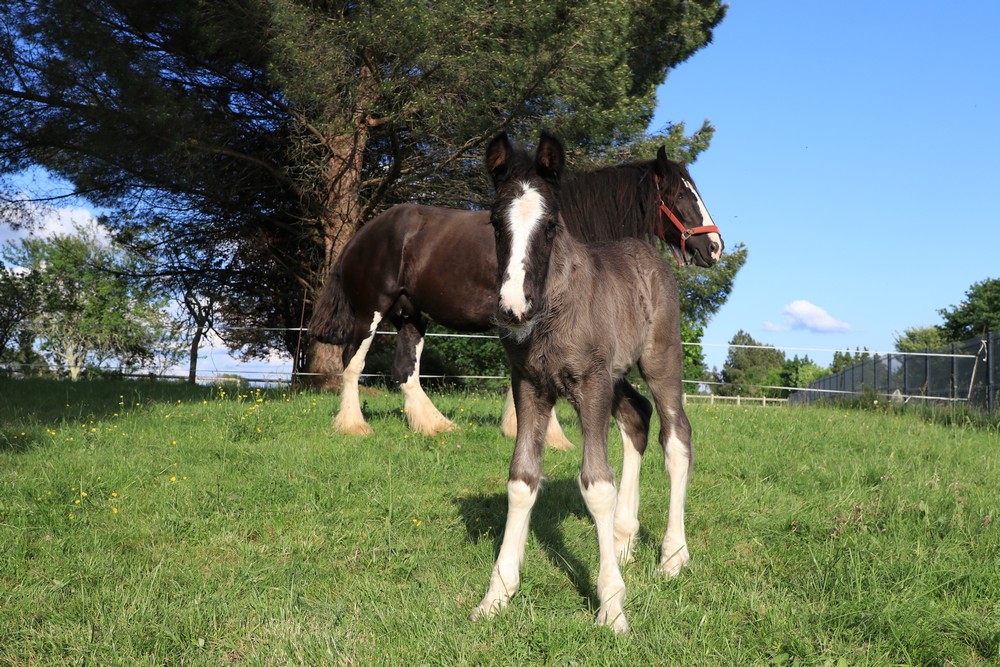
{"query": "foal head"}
pixel 684 218
pixel 525 219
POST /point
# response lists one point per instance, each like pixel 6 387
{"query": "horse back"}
pixel 414 258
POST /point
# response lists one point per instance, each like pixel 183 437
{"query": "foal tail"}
pixel 332 320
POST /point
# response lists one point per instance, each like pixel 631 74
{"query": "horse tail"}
pixel 332 320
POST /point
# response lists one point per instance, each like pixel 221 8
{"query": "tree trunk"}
pixel 340 217
pixel 193 359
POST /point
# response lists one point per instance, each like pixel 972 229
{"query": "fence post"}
pixel 927 372
pixel 990 377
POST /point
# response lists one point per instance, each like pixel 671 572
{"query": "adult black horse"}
pixel 416 262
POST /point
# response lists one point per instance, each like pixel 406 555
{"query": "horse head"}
pixel 684 220
pixel 525 219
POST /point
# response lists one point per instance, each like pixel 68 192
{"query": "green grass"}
pixel 235 529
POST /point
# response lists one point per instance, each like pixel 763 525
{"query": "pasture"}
pixel 148 523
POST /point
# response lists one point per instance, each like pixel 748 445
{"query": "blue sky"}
pixel 857 155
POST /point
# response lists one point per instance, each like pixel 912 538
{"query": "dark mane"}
pixel 618 202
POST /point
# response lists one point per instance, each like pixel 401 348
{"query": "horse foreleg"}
pixel 597 485
pixel 522 490
pixel 349 418
pixel 554 436
pixel 423 416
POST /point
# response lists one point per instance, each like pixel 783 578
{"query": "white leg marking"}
pixel 674 552
pixel 554 435
pixel 627 511
pixel 506 575
pixel 423 416
pixel 508 423
pixel 349 418
pixel 600 501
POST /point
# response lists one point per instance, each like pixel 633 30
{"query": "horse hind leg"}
pixel 349 419
pixel 554 436
pixel 675 438
pixel 421 413
pixel 632 412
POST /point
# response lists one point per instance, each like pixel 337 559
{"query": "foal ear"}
pixel 550 156
pixel 497 155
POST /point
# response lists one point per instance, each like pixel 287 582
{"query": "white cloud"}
pixel 803 315
pixel 48 221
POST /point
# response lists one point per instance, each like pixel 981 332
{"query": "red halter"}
pixel 684 231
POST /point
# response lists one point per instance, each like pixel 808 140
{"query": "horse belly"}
pixel 455 282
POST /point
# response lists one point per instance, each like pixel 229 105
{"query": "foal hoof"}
pixel 614 620
pixel 484 611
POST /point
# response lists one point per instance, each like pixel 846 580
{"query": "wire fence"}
pixel 966 372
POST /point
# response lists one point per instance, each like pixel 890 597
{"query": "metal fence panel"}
pixel 967 371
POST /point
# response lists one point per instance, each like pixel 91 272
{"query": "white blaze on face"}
pixel 706 220
pixel 523 216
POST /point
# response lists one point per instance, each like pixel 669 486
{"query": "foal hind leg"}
pixel 632 412
pixel 349 418
pixel 554 436
pixel 675 438
pixel 423 416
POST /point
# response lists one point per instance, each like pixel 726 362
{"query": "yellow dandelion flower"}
pixel 83 493
pixel 72 516
pixel 114 510
pixel 76 502
pixel 173 478
pixel 114 494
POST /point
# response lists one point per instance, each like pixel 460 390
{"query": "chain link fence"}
pixel 967 372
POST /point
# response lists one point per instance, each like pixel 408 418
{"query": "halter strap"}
pixel 685 232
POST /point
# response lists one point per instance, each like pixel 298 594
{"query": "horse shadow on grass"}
pixel 485 515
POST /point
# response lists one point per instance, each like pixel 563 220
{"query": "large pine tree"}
pixel 258 135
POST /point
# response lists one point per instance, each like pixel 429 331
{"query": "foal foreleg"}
pixel 422 415
pixel 349 418
pixel 597 485
pixel 522 490
pixel 554 436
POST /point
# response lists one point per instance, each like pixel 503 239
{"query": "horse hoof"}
pixel 563 444
pixel 672 563
pixel 614 620
pixel 353 428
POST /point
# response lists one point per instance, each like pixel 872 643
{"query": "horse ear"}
pixel 550 156
pixel 661 162
pixel 497 155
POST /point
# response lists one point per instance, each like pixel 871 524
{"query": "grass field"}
pixel 162 524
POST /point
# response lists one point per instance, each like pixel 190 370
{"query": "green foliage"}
pixel 920 339
pixel 749 367
pixel 842 360
pixel 978 313
pixel 704 291
pixel 146 523
pixel 257 136
pixel 87 307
